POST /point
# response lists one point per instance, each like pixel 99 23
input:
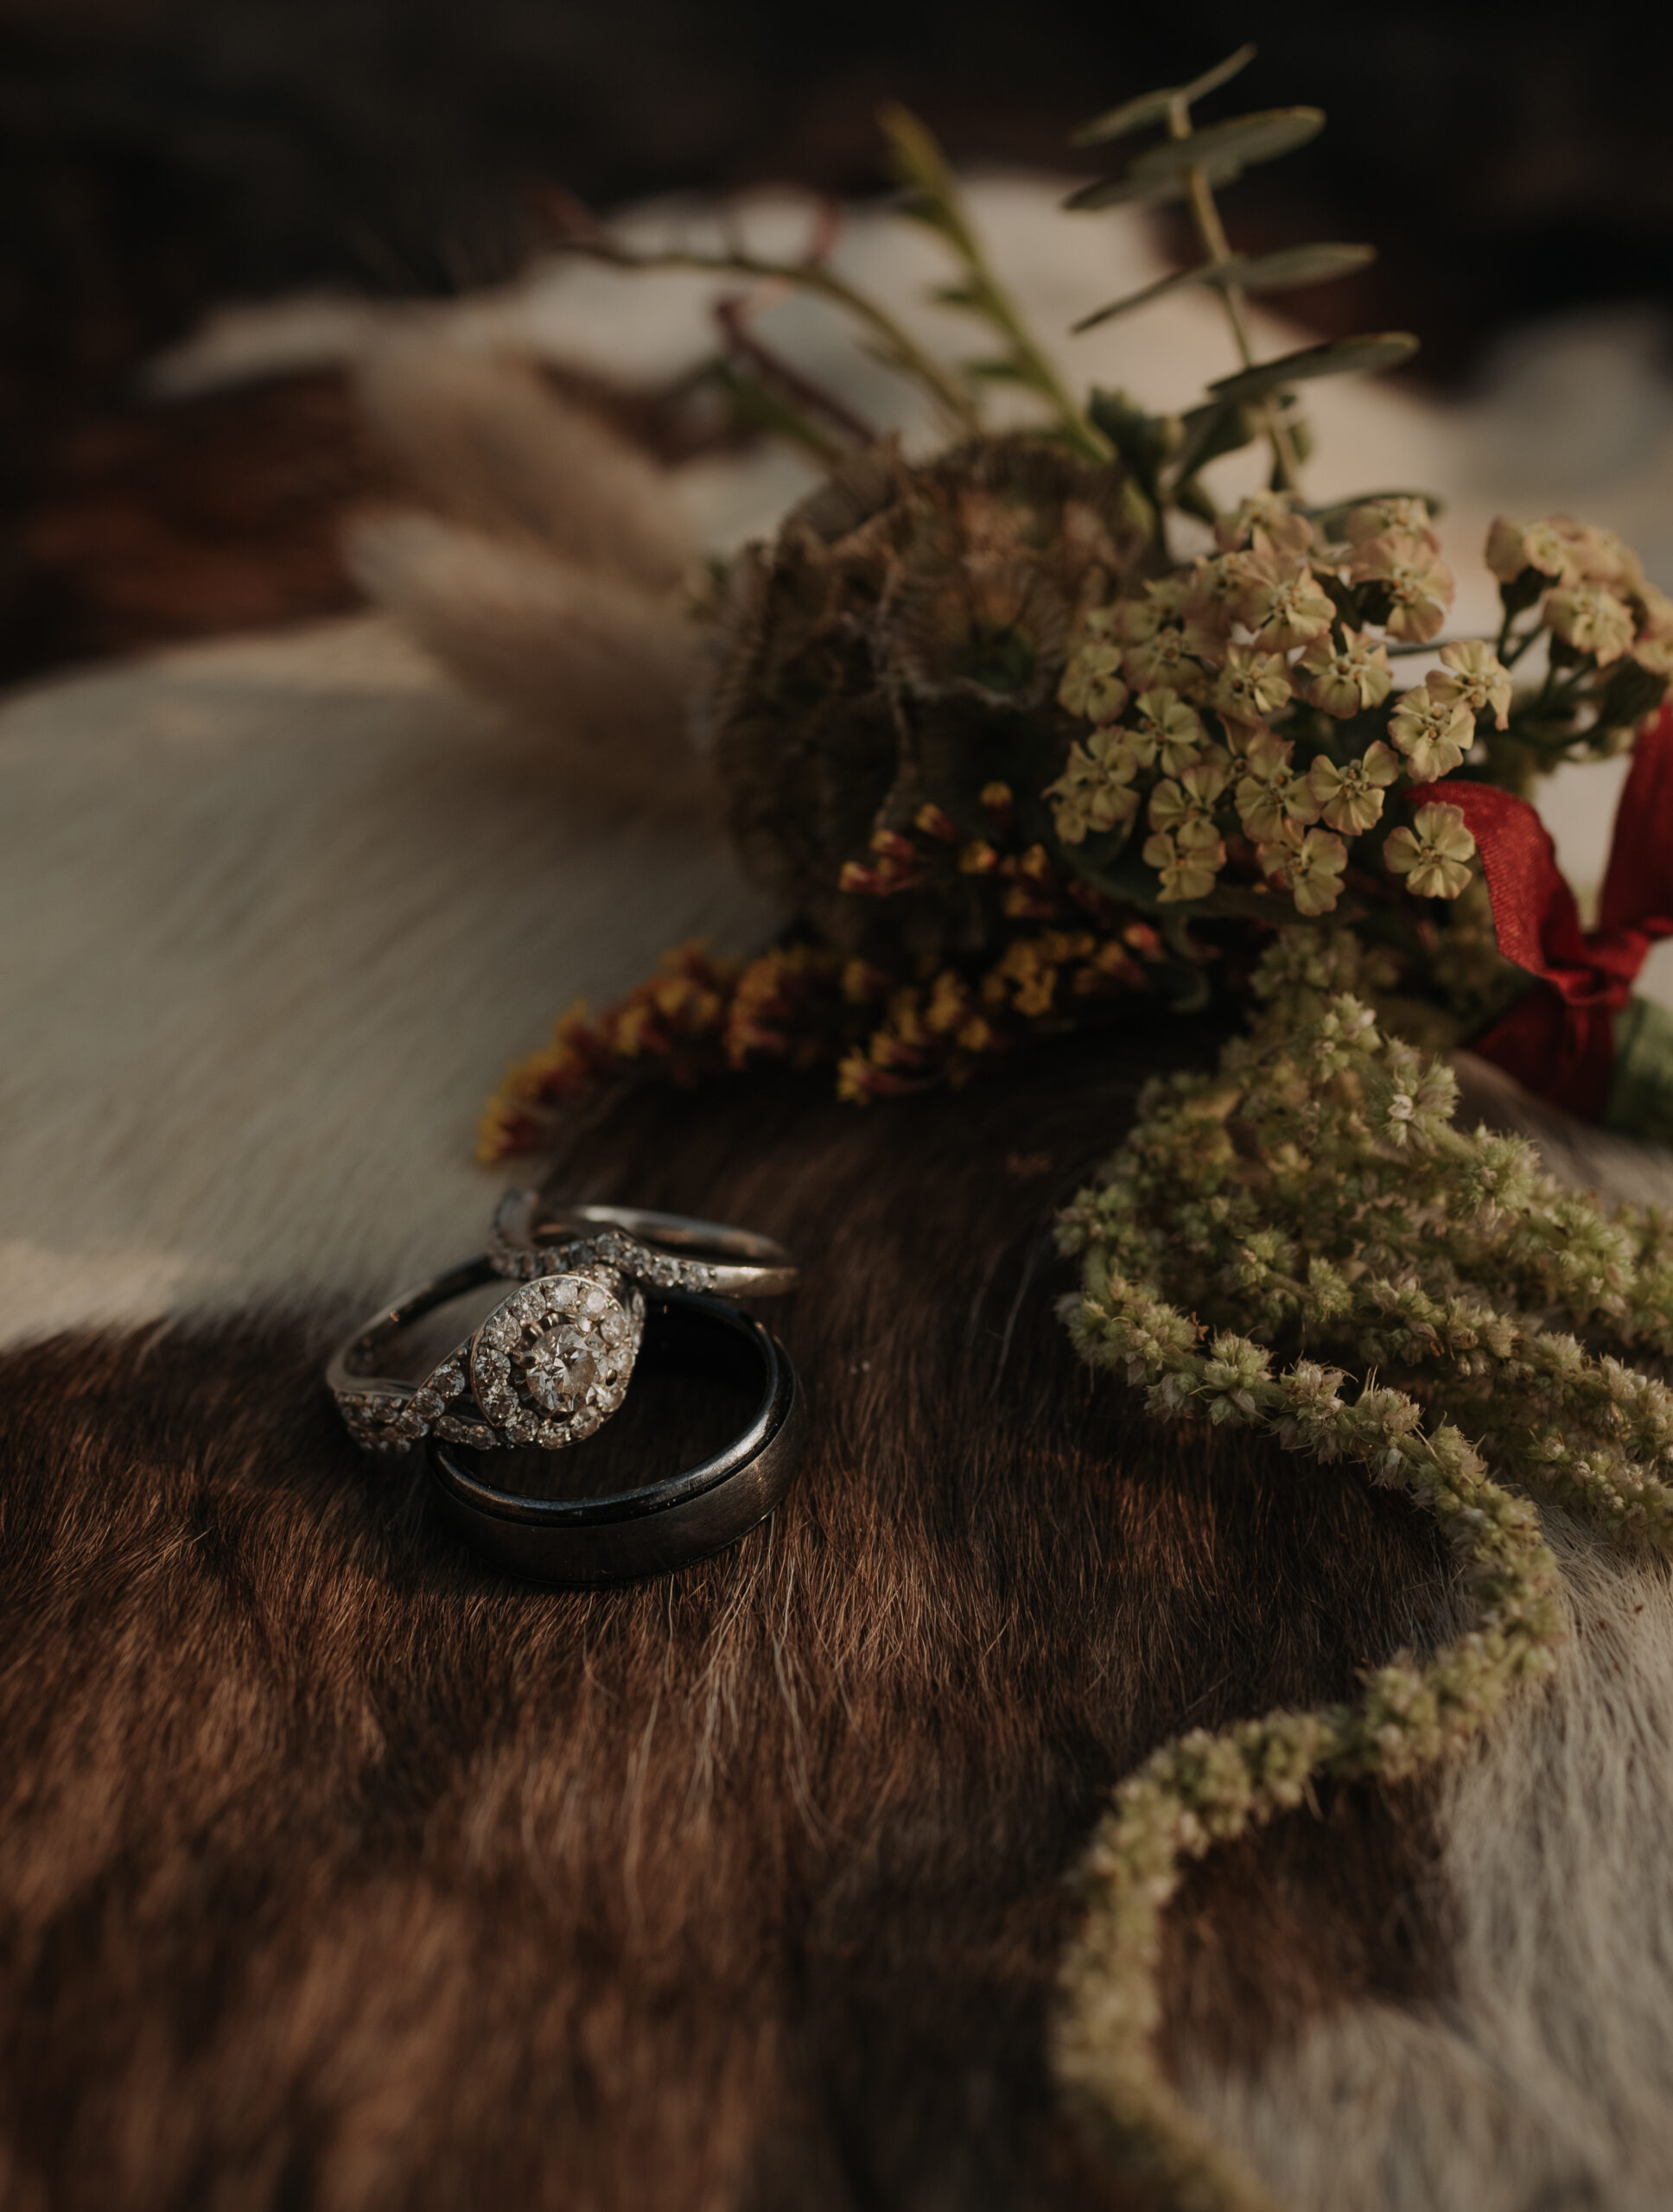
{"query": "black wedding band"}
pixel 668 1522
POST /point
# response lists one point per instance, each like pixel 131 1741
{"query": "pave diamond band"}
pixel 664 1251
pixel 547 1366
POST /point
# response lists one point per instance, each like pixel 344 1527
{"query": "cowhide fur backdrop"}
pixel 336 1872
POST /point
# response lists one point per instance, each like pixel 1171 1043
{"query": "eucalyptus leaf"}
pixel 1287 270
pixel 917 158
pixel 1340 357
pixel 1178 281
pixel 1124 191
pixel 1155 107
pixel 1240 138
pixel 1220 427
pixel 1143 441
pixel 1293 266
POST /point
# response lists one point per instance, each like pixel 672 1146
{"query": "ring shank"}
pixel 356 1361
pixel 736 1262
pixel 677 1232
pixel 663 1524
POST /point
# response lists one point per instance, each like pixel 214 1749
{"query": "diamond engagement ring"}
pixel 547 1367
pixel 680 1513
pixel 664 1251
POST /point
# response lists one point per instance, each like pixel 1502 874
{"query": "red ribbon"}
pixel 1559 1041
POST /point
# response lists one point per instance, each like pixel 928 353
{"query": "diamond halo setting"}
pixel 553 1362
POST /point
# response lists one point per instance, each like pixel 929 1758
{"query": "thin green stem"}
pixel 1211 235
pixel 900 351
pixel 1034 364
pixel 922 166
pixel 1511 648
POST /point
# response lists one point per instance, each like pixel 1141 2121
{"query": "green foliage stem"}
pixel 1315 1188
pixel 933 201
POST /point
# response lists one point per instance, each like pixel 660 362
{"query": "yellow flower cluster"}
pixel 1246 729
pixel 1597 601
pixel 803 1005
pixel 696 1015
pixel 940 1028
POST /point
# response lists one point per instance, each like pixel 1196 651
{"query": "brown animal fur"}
pixel 339 1872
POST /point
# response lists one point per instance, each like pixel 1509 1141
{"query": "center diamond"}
pixel 560 1364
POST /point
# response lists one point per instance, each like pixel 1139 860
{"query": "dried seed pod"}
pixel 898 647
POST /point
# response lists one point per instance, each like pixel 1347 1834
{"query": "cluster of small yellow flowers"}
pixel 1434 853
pixel 1351 796
pixel 1093 687
pixel 1095 792
pixel 888 1025
pixel 1346 678
pixel 1596 601
pixel 1271 794
pixel 1185 848
pixel 1471 674
pixel 1248 686
pixel 1170 732
pixel 1394 549
pixel 1283 605
pixel 1309 865
pixel 1220 1273
pixel 1434 733
pixel 696 1016
pixel 1233 741
pixel 941 1029
pixel 1249 734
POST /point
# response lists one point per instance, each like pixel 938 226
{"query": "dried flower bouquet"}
pixel 1009 760
pixel 1012 757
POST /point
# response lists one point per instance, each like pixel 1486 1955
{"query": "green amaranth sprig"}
pixel 1315 1187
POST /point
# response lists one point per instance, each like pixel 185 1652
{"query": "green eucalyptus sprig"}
pixel 1166 453
pixel 1314 1192
pixel 1186 163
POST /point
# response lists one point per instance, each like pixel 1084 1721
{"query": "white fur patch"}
pixel 1546 2080
pixel 274 918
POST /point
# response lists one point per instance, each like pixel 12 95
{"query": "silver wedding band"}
pixel 662 1251
pixel 553 1360
pixel 676 1516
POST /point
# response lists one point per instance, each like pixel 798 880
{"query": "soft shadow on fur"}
pixel 339 1872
